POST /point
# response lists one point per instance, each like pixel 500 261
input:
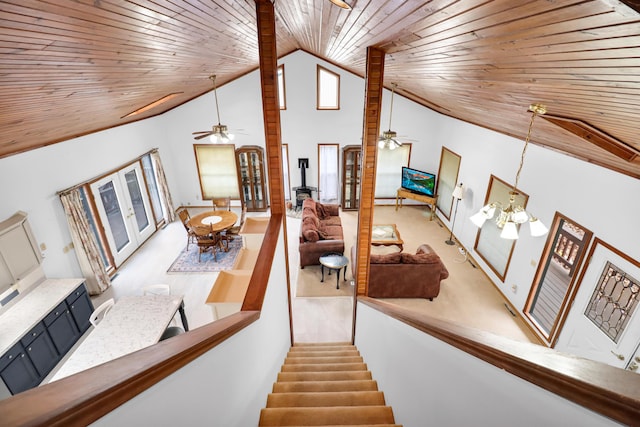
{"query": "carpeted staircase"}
pixel 325 385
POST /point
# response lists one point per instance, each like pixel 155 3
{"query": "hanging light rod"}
pixel 388 138
pixel 512 215
pixel 219 133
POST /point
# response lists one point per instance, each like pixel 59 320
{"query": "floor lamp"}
pixel 458 193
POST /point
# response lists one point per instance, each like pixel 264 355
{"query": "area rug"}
pixel 187 261
pixel 309 285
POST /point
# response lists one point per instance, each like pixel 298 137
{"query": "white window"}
pixel 328 90
pixel 328 183
pixel 285 172
pixel 281 92
pixel 389 170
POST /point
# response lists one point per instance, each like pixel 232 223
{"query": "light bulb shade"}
pixel 519 216
pixel 478 219
pixel 488 211
pixel 458 192
pixel 509 231
pixel 537 227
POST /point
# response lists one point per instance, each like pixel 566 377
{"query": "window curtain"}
pixel 163 187
pixel 389 170
pixel 87 252
pixel 328 185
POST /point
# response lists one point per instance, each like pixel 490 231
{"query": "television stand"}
pixel 406 194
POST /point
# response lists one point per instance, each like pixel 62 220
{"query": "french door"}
pixel 604 323
pixel 123 205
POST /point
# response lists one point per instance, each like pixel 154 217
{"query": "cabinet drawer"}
pixel 10 355
pixel 79 291
pixel 55 313
pixel 32 334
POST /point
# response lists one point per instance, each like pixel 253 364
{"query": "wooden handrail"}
pixel 604 389
pixel 82 398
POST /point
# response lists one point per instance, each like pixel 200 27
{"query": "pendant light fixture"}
pixel 219 133
pixel 388 138
pixel 512 215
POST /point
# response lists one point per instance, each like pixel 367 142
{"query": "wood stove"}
pixel 303 192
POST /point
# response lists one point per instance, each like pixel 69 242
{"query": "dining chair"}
pixel 184 216
pixel 221 203
pixel 207 238
pixel 235 230
pixel 101 312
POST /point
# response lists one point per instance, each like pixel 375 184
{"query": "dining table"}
pixel 133 323
pixel 213 221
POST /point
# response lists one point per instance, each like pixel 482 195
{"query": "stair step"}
pixel 322 344
pixel 317 360
pixel 336 415
pixel 316 386
pixel 324 367
pixel 336 398
pixel 295 349
pixel 324 376
pixel 321 353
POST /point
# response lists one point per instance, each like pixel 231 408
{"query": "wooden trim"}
pixel 371 127
pixel 254 298
pixel 609 391
pixel 85 397
pixel 268 60
pixel 266 22
pixel 595 136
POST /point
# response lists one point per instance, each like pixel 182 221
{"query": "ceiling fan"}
pixel 388 138
pixel 219 133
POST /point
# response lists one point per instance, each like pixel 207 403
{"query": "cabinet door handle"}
pixel 29 349
pixel 57 313
pixel 34 334
pixel 10 356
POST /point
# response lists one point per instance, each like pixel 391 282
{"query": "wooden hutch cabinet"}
pixel 250 163
pixel 351 163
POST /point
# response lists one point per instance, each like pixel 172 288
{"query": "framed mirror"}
pixel 447 180
pixel 493 249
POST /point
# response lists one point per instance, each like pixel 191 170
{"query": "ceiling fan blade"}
pixel 204 135
pixel 200 132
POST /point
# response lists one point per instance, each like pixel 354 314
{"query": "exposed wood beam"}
pixel 372 107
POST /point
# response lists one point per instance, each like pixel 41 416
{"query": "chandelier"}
pixel 388 138
pixel 219 133
pixel 510 216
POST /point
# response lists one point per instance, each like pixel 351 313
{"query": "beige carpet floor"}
pixel 467 297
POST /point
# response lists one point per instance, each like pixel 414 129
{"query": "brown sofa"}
pixel 403 275
pixel 320 232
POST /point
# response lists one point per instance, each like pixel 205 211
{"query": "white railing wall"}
pixel 429 382
pixel 228 385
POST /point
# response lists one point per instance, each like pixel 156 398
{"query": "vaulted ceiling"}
pixel 72 67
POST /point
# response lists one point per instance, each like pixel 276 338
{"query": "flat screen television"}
pixel 418 181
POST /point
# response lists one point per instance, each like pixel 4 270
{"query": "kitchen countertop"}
pixel 32 308
pixel 133 323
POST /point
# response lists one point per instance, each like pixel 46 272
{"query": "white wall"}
pixel 429 382
pixel 29 182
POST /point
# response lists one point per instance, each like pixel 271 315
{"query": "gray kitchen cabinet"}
pixel 41 351
pixel 81 307
pixel 17 370
pixel 62 328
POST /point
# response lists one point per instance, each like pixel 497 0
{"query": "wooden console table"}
pixel 406 194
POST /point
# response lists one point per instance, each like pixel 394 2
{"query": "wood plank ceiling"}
pixel 72 67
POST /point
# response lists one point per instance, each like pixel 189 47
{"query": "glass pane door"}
pixel 124 209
